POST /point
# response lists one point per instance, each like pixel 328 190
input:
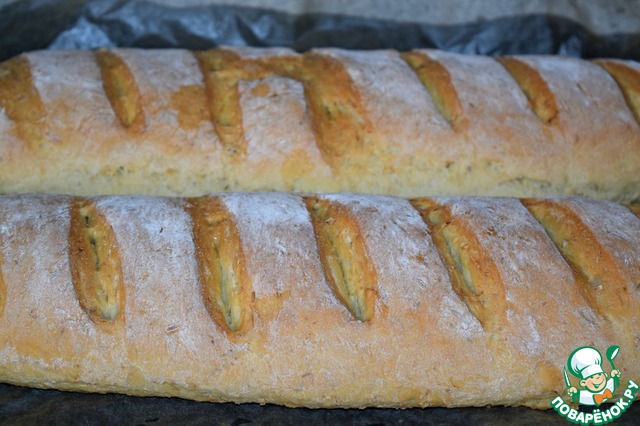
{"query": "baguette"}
pixel 419 123
pixel 336 300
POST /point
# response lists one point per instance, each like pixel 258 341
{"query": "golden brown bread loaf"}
pixel 321 301
pixel 174 122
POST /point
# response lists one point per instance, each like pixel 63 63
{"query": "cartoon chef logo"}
pixel 597 387
pixel 585 363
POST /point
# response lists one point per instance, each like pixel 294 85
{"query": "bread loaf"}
pixel 318 301
pixel 426 122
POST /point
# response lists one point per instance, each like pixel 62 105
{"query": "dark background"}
pixel 23 406
pixel 38 24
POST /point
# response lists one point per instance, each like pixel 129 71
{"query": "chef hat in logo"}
pixel 585 362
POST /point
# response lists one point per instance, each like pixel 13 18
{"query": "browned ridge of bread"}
pixel 419 123
pixel 318 300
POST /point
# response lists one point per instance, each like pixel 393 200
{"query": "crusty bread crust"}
pixel 472 302
pixel 422 123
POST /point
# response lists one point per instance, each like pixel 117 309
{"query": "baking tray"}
pixel 72 24
pixel 25 406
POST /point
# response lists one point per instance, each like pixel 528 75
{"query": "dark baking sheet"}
pixel 41 24
pixel 24 406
